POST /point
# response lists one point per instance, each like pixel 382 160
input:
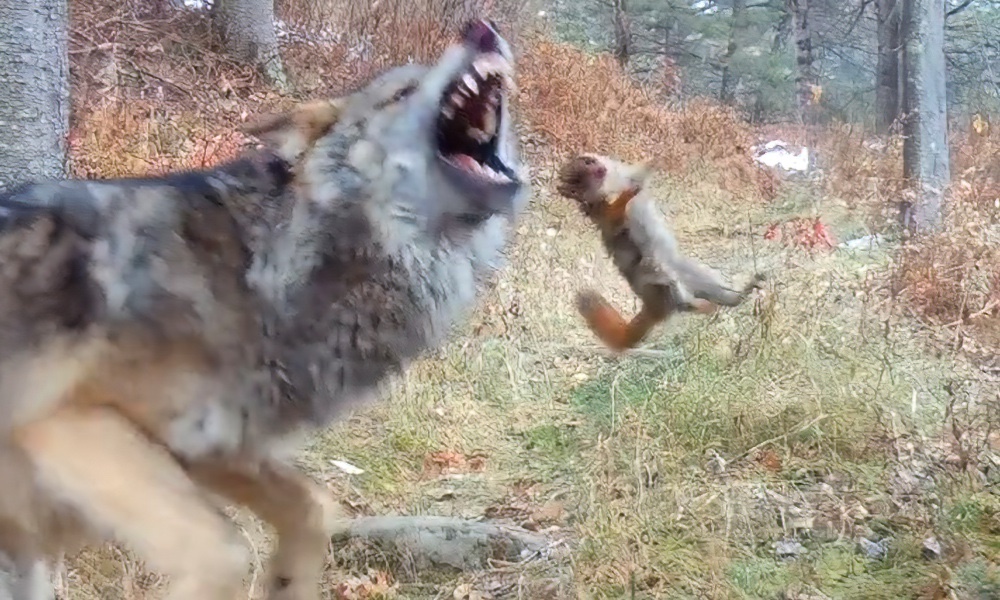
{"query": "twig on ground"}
pixel 159 78
pixel 992 304
pixel 776 438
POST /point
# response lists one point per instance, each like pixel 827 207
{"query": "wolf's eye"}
pixel 404 92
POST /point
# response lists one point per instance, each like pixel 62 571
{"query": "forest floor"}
pixel 808 444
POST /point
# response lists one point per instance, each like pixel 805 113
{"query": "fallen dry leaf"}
pixel 445 461
pixel 551 511
pixel 809 234
pixel 770 460
pixel 377 584
pixel 465 592
pixel 449 462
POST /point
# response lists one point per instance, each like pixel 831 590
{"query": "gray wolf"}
pixel 163 340
pixel 644 249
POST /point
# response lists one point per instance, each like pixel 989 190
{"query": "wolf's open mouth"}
pixel 468 124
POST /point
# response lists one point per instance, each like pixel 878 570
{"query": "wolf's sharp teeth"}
pixel 479 135
pixel 491 64
pixel 489 123
pixel 496 175
pixel 508 84
pixel 457 100
pixel 470 82
pixel 482 66
pixel 448 112
pixel 500 64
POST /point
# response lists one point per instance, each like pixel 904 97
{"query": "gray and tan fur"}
pixel 643 248
pixel 167 337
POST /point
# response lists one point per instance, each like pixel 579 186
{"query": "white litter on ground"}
pixel 705 7
pixel 347 467
pixel 866 242
pixel 776 154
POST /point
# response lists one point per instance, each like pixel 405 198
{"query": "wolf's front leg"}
pixel 303 514
pixel 121 483
pixel 30 580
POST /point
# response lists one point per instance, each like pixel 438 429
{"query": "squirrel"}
pixel 643 248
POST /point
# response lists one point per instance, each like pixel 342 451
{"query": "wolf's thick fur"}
pixel 643 248
pixel 165 337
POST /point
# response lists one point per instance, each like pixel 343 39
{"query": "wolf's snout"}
pixel 482 36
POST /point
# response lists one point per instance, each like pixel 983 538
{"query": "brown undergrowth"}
pixel 575 101
pixel 949 278
pixel 143 92
pixel 952 277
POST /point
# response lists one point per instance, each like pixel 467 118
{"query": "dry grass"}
pixel 678 467
pixel 812 414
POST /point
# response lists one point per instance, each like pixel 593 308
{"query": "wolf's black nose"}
pixel 482 35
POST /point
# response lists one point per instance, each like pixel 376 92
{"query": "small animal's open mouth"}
pixel 468 123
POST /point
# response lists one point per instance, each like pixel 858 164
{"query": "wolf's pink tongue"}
pixel 467 162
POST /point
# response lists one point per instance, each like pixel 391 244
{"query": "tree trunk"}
pixel 727 89
pixel 890 70
pixel 806 85
pixel 781 31
pixel 805 78
pixel 623 33
pixel 34 90
pixel 248 32
pixel 34 123
pixel 925 147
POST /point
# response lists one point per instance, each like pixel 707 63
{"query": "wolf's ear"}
pixel 290 134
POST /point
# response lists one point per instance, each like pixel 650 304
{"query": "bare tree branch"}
pixel 958 9
pixel 857 17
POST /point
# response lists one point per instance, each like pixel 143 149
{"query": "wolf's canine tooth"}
pixel 470 82
pixel 479 135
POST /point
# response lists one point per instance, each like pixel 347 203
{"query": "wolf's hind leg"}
pixel 27 579
pixel 96 461
pixel 303 514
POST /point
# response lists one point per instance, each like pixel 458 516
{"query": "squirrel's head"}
pixel 592 178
